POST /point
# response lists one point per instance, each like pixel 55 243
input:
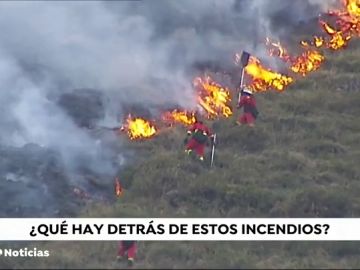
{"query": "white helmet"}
pixel 246 90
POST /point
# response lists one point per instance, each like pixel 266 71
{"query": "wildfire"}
pixel 353 7
pixel 317 42
pixel 338 40
pixel 347 26
pixel 213 98
pixel 177 116
pixel 349 18
pixel 138 128
pixel 309 61
pixel 264 79
pixel 118 187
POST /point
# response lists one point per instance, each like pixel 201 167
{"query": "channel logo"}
pixel 24 252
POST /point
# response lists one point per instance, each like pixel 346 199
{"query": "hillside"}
pixel 301 160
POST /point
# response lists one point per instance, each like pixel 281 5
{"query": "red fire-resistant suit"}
pixel 250 111
pixel 197 143
pixel 127 248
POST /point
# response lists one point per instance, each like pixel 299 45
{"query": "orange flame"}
pixel 338 40
pixel 264 79
pixel 307 62
pixel 317 42
pixel 347 26
pixel 353 7
pixel 213 98
pixel 118 187
pixel 216 100
pixel 177 116
pixel 311 60
pixel 138 128
pixel 349 18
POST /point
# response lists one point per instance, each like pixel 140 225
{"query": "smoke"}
pixel 135 51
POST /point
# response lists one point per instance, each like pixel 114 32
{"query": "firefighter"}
pixel 199 133
pixel 127 249
pixel 247 100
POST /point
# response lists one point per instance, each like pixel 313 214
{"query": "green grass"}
pixel 301 160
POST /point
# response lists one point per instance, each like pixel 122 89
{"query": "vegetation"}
pixel 301 160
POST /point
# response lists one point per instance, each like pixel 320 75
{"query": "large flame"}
pixel 348 19
pixel 307 62
pixel 317 42
pixel 338 38
pixel 264 79
pixel 213 98
pixel 353 7
pixel 178 116
pixel 138 128
pixel 346 27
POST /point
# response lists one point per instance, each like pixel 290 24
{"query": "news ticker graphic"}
pixel 180 229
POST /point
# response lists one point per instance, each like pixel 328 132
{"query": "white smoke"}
pixel 136 51
pixel 141 52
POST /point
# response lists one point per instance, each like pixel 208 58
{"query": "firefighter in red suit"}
pixel 248 102
pixel 127 249
pixel 199 133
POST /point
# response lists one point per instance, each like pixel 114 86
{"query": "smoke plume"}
pixel 140 52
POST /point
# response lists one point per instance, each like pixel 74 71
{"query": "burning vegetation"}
pixel 177 116
pixel 215 99
pixel 347 26
pixel 263 78
pixel 138 128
